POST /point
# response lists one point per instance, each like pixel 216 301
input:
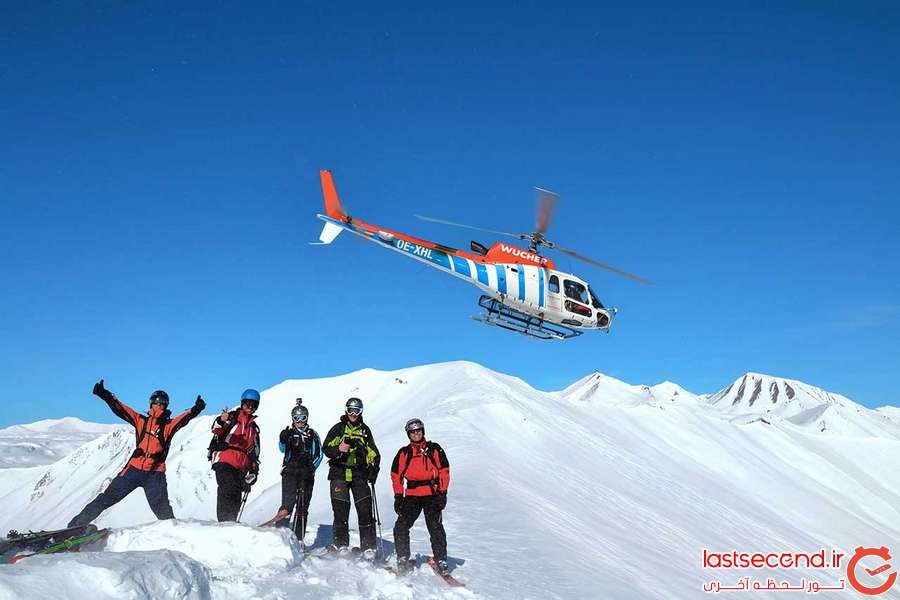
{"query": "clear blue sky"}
pixel 159 184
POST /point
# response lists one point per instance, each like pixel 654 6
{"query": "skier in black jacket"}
pixel 302 454
pixel 353 461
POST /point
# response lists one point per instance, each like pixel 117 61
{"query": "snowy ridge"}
pixel 776 398
pixel 45 442
pixel 606 489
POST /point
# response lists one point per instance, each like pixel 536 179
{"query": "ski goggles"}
pixel 300 418
pixel 159 400
pixel 412 431
pixel 354 411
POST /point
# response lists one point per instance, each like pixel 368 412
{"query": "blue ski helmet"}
pixel 250 395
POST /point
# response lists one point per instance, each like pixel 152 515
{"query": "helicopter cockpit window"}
pixel 595 301
pixel 576 291
pixel 554 284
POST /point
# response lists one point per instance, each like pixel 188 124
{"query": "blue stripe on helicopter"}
pixel 540 287
pixel 521 270
pixel 482 273
pixel 461 265
pixel 501 278
pixel 430 254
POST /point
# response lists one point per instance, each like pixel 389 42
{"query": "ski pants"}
pixel 340 504
pixel 296 488
pixel 155 488
pixel 231 484
pixel 412 508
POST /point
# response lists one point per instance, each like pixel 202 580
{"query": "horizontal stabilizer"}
pixel 329 232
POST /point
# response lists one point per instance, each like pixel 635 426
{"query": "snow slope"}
pixel 601 490
pixel 45 442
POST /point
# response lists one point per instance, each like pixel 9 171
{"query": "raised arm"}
pixel 185 417
pixel 126 413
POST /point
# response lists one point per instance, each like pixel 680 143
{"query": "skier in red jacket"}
pixel 146 466
pixel 235 455
pixel 423 467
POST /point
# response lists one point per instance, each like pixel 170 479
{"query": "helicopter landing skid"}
pixel 498 314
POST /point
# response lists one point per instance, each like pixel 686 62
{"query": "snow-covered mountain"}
pixel 804 405
pixel 601 490
pixel 45 442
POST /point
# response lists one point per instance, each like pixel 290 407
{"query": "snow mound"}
pixel 102 576
pixel 221 547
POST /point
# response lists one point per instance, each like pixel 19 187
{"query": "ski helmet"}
pixel 250 395
pixel 415 425
pixel 159 397
pixel 354 406
pixel 300 413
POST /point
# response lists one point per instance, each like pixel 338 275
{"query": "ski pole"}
pixel 377 520
pixel 296 512
pixel 302 503
pixel 243 502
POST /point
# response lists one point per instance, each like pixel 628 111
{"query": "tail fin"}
pixel 333 206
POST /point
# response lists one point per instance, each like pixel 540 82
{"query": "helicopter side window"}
pixel 554 284
pixel 576 291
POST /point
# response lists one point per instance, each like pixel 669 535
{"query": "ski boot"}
pixel 442 567
pixel 404 565
pixel 368 555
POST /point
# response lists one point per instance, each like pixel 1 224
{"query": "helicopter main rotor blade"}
pixel 518 236
pixel 597 263
pixel 546 202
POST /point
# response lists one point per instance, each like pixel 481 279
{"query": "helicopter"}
pixel 523 291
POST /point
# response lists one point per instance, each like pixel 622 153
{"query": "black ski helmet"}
pixel 300 412
pixel 354 406
pixel 159 397
pixel 414 424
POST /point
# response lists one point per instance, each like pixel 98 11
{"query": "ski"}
pixel 38 540
pixel 66 543
pixel 450 579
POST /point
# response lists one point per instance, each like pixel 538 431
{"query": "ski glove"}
pixel 250 479
pixel 199 405
pixel 399 504
pixel 373 476
pixel 102 392
pixel 440 501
